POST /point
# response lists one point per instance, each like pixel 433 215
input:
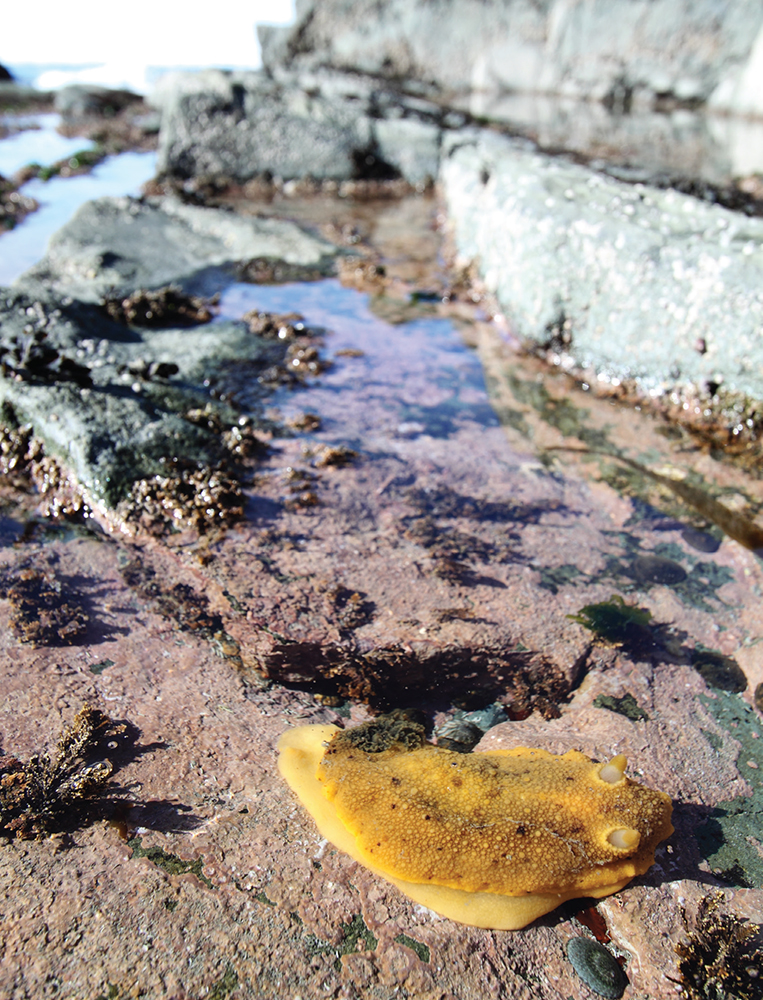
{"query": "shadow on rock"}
pixel 631 629
pixel 407 675
pixel 160 815
pixel 49 609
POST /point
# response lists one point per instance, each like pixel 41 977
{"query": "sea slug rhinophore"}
pixel 490 839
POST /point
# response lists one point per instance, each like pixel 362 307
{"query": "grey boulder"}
pixel 624 281
pixel 638 49
pixel 115 245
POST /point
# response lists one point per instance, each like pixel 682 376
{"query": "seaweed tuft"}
pixel 723 956
pixel 51 795
pixel 616 623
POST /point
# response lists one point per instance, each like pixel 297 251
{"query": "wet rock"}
pixel 18 95
pixel 416 577
pixel 411 146
pixel 323 126
pixel 241 125
pixel 614 280
pixel 120 406
pixel 115 430
pixel 208 139
pixel 613 53
pixel 113 246
pixel 80 99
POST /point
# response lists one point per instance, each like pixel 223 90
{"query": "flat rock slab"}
pixel 108 423
pixel 225 882
pixel 116 245
pixel 707 774
pixel 622 281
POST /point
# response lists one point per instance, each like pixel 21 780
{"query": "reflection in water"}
pixel 415 379
pixel 659 466
pixel 677 142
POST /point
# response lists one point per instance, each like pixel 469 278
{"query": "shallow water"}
pixel 566 426
pixel 413 379
pixel 637 143
pixel 59 198
pixel 36 142
pixel 420 376
pixel 454 529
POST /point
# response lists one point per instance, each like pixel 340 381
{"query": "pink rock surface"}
pixel 279 912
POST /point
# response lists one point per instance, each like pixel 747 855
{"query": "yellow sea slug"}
pixel 490 839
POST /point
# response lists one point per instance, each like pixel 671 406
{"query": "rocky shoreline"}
pixel 251 479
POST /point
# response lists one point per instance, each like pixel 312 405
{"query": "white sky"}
pixel 138 32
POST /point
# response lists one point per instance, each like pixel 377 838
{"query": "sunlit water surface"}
pixel 59 198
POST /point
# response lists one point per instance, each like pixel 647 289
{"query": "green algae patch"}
pixel 665 565
pixel 614 622
pixel 262 898
pixel 731 839
pixel 571 421
pixel 627 706
pixel 98 668
pixel 554 577
pixel 112 993
pixel 225 985
pixel 355 932
pixel 171 863
pixel 418 947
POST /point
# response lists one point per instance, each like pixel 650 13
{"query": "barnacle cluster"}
pixel 336 455
pixel 167 306
pixel 202 499
pixel 13 205
pixel 362 274
pixel 24 462
pixel 271 270
pixel 43 611
pixel 274 326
